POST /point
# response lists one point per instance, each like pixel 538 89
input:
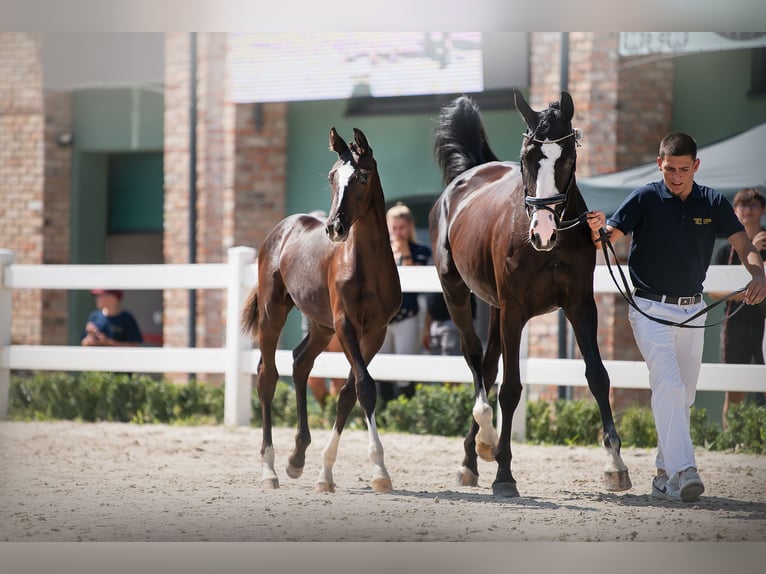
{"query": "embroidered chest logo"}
pixel 702 220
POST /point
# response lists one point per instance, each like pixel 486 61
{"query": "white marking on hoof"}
pixel 486 438
pixel 270 484
pixel 269 479
pixel 616 477
pixel 381 481
pixel 466 477
pixel 617 481
pixel 325 487
pixel 382 485
pixel 329 455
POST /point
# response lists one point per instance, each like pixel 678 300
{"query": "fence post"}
pixel 6 259
pixel 237 406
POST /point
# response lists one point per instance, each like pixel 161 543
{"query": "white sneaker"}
pixel 690 484
pixel 663 488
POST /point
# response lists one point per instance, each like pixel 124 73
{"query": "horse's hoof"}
pixel 485 451
pixel 270 483
pixel 293 472
pixel 617 480
pixel 382 485
pixel 466 477
pixel 325 487
pixel 505 489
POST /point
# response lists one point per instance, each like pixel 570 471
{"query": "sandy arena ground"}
pixel 68 481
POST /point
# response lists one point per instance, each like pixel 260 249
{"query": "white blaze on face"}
pixel 543 224
pixel 344 176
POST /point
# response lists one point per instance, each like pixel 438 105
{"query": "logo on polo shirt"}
pixel 702 220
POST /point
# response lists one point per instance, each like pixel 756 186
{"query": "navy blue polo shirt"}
pixel 121 327
pixel 673 240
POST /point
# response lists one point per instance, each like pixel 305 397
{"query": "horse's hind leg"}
pixel 270 325
pixel 468 474
pixel 585 324
pixel 303 360
pixel 482 437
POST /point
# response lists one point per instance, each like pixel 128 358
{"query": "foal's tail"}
pixel 249 320
pixel 460 141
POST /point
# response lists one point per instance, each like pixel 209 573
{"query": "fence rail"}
pixel 238 361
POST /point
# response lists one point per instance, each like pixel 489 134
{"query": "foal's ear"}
pixel 567 107
pixel 336 142
pixel 361 142
pixel 529 115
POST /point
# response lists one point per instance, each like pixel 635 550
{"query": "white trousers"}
pixel 673 356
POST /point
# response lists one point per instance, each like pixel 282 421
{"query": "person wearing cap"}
pixel 108 324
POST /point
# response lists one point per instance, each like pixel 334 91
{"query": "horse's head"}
pixel 351 179
pixel 548 158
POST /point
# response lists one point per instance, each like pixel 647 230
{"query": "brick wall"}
pixel 241 177
pixel 57 202
pixel 22 133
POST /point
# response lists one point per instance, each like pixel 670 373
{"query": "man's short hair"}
pixel 678 143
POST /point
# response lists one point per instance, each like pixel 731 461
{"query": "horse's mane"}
pixel 460 141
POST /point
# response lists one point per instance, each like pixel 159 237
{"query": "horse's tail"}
pixel 460 141
pixel 249 320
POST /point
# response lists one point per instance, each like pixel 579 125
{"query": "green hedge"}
pixel 434 409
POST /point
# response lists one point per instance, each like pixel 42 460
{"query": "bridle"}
pixel 555 204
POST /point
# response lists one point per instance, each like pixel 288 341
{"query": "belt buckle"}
pixel 686 300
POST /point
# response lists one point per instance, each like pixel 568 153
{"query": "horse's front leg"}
pixel 364 389
pixel 367 394
pixel 584 320
pixel 346 401
pixel 508 398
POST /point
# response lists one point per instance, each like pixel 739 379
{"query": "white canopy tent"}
pixel 727 166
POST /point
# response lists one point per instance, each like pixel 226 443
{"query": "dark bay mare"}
pixel 512 234
pixel 341 274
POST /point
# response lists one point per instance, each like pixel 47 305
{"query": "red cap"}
pixel 116 292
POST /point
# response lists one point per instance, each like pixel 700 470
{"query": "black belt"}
pixel 690 300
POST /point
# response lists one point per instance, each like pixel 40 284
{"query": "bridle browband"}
pixel 555 204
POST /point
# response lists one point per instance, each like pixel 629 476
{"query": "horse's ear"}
pixel 529 115
pixel 567 107
pixel 361 142
pixel 336 142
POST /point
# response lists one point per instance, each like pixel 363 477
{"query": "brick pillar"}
pixel 623 122
pixel 57 207
pixel 176 186
pixel 22 176
pixel 260 185
pixel 241 176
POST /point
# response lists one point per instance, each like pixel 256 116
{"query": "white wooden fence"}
pixel 238 361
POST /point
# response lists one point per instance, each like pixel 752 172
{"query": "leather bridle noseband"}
pixel 555 204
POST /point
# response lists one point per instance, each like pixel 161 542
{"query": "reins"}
pixel 628 296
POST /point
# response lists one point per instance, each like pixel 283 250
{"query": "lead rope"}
pixel 628 296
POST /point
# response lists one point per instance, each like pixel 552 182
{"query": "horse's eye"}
pixel 329 177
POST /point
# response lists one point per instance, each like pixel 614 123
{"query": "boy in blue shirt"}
pixel 674 223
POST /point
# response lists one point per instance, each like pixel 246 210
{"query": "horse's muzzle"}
pixel 336 231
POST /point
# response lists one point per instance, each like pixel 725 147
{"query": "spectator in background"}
pixel 742 333
pixel 440 335
pixel 403 335
pixel 108 324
